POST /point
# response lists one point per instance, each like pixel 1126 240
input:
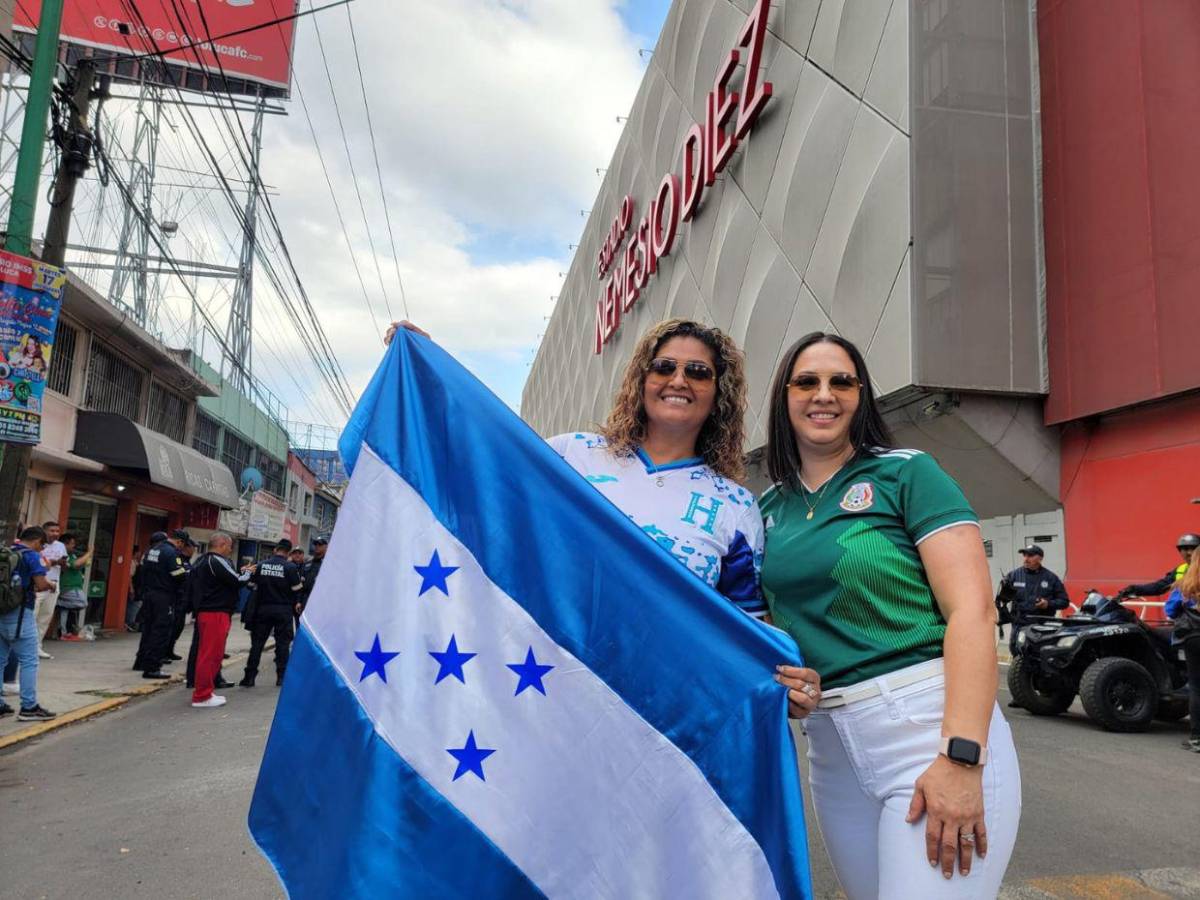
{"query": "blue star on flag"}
pixel 375 661
pixel 531 673
pixel 451 662
pixel 434 575
pixel 470 758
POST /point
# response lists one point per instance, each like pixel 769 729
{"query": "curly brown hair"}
pixel 721 440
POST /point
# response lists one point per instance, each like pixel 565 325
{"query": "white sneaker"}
pixel 42 654
pixel 212 702
pixel 11 688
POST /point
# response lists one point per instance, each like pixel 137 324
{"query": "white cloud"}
pixel 491 118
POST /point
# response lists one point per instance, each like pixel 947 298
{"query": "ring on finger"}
pixel 810 690
pixel 966 837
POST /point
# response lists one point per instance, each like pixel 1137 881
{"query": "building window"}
pixel 113 385
pixel 236 453
pixel 167 414
pixel 62 358
pixel 207 437
pixel 292 490
pixel 273 473
pixel 307 503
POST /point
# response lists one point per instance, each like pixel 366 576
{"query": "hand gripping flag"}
pixel 503 688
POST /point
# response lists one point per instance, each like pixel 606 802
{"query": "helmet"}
pixel 1188 541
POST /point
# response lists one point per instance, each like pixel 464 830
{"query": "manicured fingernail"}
pixel 947 875
pixel 933 864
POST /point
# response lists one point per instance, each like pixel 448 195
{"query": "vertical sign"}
pixel 30 297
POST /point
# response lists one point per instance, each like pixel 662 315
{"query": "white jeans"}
pixel 864 760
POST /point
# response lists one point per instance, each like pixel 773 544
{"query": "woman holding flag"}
pixel 670 456
pixel 875 566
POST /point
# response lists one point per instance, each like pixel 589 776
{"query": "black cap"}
pixel 158 537
pixel 320 539
pixel 180 535
pixel 283 544
pixel 1032 550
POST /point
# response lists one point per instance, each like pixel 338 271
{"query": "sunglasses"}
pixel 841 383
pixel 692 370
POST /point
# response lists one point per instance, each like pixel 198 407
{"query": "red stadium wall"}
pixel 1127 484
pixel 1120 87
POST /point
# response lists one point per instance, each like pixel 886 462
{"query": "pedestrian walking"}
pixel 52 556
pixel 22 578
pixel 875 565
pixel 71 598
pixel 278 584
pixel 212 590
pixel 161 576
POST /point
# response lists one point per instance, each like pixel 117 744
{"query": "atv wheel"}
pixel 1171 710
pixel 1042 696
pixel 1119 694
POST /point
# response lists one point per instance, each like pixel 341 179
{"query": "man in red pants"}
pixel 213 589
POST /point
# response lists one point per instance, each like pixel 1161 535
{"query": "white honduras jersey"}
pixel 710 524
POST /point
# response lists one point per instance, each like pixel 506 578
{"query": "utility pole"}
pixel 14 460
pixel 76 152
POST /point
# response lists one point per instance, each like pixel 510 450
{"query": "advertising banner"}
pixel 176 29
pixel 266 517
pixel 30 297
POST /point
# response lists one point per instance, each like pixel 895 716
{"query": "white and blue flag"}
pixel 504 688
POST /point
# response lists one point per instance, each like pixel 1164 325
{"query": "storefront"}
pixel 146 483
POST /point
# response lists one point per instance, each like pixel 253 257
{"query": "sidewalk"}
pixel 86 678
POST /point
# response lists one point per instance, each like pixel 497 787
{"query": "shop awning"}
pixel 116 441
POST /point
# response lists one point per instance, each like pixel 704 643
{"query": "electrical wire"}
pixel 387 214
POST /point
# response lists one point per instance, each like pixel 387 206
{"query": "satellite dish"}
pixel 251 479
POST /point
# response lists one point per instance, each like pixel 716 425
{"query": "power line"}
pixel 316 343
pixel 350 159
pixel 378 170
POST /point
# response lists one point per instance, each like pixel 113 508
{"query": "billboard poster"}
pixel 262 56
pixel 266 517
pixel 30 298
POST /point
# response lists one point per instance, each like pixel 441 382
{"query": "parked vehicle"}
pixel 1125 671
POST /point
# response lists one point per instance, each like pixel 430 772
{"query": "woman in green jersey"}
pixel 875 565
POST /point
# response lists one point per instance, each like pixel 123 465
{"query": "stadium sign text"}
pixel 704 153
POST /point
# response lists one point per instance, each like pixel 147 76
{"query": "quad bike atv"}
pixel 1125 671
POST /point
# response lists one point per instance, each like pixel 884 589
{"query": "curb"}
pixel 99 708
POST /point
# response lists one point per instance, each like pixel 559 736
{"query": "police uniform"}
pixel 278 583
pixel 1029 586
pixel 160 578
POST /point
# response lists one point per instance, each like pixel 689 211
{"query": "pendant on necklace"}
pixel 810 514
pixel 659 481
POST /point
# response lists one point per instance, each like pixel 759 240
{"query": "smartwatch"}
pixel 963 751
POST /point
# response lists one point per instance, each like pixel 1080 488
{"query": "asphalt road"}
pixel 150 801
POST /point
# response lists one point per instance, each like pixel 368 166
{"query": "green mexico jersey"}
pixel 847 583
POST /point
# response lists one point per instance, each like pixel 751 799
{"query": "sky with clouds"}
pixel 491 118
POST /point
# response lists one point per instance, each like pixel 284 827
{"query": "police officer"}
pixel 1185 545
pixel 312 568
pixel 1038 592
pixel 183 604
pixel 279 584
pixel 161 577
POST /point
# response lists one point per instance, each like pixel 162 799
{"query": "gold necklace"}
pixel 812 507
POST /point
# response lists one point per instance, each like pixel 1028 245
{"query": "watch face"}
pixel 963 751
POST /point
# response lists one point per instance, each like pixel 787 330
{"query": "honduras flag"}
pixel 503 688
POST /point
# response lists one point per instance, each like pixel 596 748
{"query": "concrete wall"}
pixel 869 199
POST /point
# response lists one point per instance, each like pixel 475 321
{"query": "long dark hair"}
pixel 867 428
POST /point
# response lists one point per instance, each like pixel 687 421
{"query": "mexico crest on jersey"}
pixel 859 497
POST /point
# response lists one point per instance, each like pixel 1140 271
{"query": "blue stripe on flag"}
pixel 339 814
pixel 674 650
